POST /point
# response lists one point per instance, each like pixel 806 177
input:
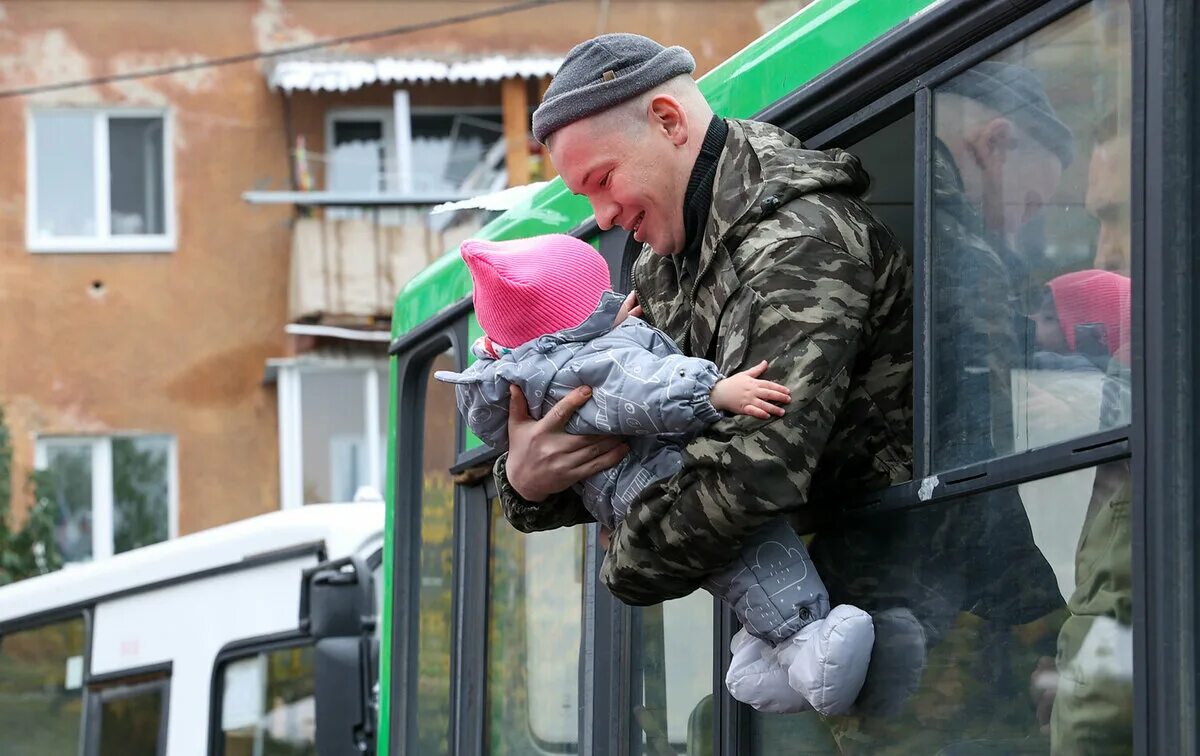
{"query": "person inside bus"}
pixel 753 248
pixel 1085 695
pixel 552 323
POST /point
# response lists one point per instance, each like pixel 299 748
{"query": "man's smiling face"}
pixel 631 170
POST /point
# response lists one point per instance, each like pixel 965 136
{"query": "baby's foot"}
pixel 756 677
pixel 827 660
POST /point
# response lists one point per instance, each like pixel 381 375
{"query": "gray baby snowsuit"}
pixel 645 389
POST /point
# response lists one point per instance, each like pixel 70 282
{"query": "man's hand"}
pixel 543 458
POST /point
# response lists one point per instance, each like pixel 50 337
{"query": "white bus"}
pixel 255 638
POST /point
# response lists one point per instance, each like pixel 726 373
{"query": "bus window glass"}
pixel 41 694
pixel 535 593
pixel 437 559
pixel 1030 241
pixel 887 155
pixel 675 713
pixel 130 719
pixel 1009 659
pixel 268 704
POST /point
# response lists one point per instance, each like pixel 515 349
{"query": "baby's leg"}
pixel 780 599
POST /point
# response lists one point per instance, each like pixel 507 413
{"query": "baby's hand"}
pixel 745 394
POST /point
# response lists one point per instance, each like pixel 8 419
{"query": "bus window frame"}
pixel 414 354
pixel 236 651
pixel 1166 373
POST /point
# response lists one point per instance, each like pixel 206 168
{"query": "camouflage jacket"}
pixel 796 270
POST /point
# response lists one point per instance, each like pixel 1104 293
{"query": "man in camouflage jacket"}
pixel 789 266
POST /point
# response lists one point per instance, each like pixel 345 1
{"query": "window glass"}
pixel 268 704
pixel 141 495
pixel 135 166
pixel 437 563
pixel 887 154
pixel 131 720
pixel 1016 636
pixel 65 164
pixel 535 591
pixel 448 149
pixel 70 484
pixel 134 481
pixel 358 156
pixel 334 445
pixel 41 694
pixel 1030 240
pixel 675 713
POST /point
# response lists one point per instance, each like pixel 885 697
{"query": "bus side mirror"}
pixel 337 608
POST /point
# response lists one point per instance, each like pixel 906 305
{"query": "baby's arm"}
pixel 482 398
pixel 640 391
pixel 745 394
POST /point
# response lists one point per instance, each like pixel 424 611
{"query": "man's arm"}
pixel 543 461
pixel 806 317
pixel 559 510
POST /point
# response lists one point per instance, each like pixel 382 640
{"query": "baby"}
pixel 1085 314
pixel 553 324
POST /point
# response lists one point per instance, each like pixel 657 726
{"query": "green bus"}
pixel 498 642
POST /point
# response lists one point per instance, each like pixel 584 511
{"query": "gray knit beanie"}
pixel 1016 93
pixel 603 72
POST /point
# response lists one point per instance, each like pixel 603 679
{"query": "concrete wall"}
pixel 175 343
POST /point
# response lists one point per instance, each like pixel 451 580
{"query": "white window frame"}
pixel 103 241
pixel 291 421
pixel 102 483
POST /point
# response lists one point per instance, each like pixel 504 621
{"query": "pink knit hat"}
pixel 1094 296
pixel 526 288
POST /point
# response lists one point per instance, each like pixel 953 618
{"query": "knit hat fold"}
pixel 526 288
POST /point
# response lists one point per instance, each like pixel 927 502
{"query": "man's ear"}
pixel 668 117
pixel 991 142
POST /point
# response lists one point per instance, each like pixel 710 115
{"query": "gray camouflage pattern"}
pixel 794 269
pixel 645 389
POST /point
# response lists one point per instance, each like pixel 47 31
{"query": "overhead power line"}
pixel 394 31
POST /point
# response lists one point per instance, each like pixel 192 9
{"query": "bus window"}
pixel 41 693
pixel 1060 683
pixel 128 719
pixel 535 593
pixel 1030 241
pixel 268 704
pixel 887 155
pixel 437 559
pixel 675 713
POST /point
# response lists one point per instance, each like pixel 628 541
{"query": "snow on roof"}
pixel 345 75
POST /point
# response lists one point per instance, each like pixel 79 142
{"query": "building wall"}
pixel 175 343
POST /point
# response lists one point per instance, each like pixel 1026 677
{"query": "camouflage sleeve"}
pixel 804 315
pixel 563 509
